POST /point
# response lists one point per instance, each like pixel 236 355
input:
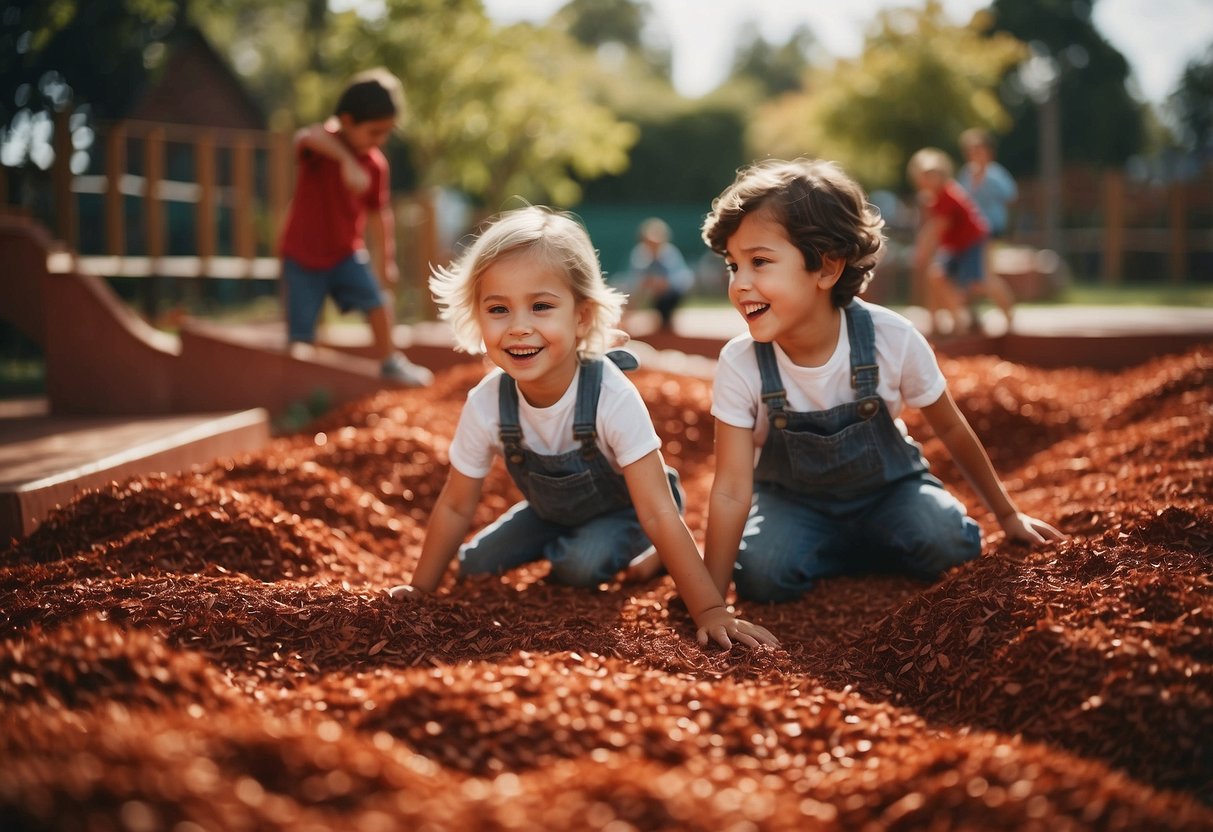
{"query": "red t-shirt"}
pixel 963 224
pixel 325 222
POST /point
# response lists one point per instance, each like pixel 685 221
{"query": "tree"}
pixel 93 55
pixel 775 68
pixel 920 80
pixel 497 113
pixel 625 24
pixel 1101 123
pixel 1191 105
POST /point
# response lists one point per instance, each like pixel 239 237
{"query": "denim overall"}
pixel 578 513
pixel 844 490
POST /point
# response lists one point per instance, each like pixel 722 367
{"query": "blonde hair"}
pixel 930 160
pixel 552 237
pixel 976 137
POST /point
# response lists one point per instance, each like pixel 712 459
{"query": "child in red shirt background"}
pixel 328 246
pixel 951 245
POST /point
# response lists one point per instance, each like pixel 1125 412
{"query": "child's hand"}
pixel 391 275
pixel 354 176
pixel 1023 528
pixel 718 624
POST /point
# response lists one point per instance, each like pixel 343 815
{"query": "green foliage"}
pixel 687 156
pixel 776 69
pixel 1101 123
pixel 497 113
pixel 1192 104
pixel 84 52
pixel 919 81
pixel 595 22
pixel 616 23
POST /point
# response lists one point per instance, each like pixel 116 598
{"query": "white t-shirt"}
pixel 625 429
pixel 909 375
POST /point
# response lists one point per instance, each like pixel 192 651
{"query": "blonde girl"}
pixel 574 432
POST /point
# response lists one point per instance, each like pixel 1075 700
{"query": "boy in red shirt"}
pixel 956 231
pixel 342 179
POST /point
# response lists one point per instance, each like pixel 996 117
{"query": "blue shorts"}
pixel 350 283
pixel 965 268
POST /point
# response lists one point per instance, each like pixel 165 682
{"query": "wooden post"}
pixel 243 238
pixel 65 200
pixel 1178 221
pixel 153 208
pixel 1114 227
pixel 280 171
pixel 205 229
pixel 115 202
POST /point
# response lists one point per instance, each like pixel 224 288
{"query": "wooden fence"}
pixel 164 200
pixel 1112 226
pixel 1121 228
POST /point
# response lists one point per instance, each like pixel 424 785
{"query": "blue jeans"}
pixel 912 526
pixel 585 555
pixel 966 268
pixel 351 283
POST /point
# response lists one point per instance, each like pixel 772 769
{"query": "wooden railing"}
pixel 257 204
pixel 1109 219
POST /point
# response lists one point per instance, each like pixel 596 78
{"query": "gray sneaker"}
pixel 398 368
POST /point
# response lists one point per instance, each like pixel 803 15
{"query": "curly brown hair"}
pixel 823 211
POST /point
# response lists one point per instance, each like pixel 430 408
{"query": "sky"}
pixel 1157 37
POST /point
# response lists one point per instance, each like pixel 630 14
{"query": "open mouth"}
pixel 522 353
pixel 754 310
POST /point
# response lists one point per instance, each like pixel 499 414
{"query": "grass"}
pixel 1191 294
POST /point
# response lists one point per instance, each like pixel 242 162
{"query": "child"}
pixel 955 229
pixel 342 176
pixel 989 183
pixel 815 475
pixel 575 434
pixel 659 270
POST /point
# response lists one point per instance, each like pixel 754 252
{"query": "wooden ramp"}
pixel 124 398
pixel 46 460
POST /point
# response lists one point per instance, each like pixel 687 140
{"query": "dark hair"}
pixel 823 211
pixel 371 95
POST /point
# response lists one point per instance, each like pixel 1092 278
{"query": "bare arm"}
pixel 927 242
pixel 729 503
pixel 659 517
pixel 381 244
pixel 448 526
pixel 316 138
pixel 966 449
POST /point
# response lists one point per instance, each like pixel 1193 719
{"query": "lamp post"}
pixel 1040 76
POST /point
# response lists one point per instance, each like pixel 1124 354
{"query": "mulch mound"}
pixel 214 650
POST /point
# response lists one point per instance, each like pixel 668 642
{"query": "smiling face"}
pixel 532 325
pixel 781 300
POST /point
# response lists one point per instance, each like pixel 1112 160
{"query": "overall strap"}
pixel 623 359
pixel 774 396
pixel 585 416
pixel 861 334
pixel 509 429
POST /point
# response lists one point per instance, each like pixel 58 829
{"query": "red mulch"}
pixel 213 650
